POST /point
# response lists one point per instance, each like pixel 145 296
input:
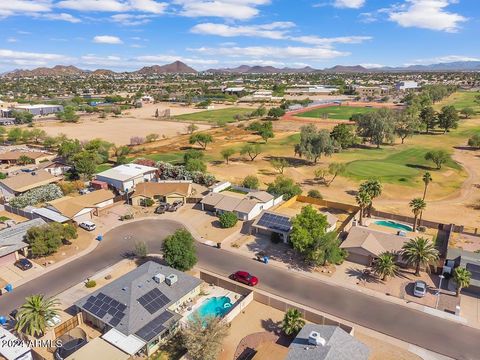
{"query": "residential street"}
pixel 430 332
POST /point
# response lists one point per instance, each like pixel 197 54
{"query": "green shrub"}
pixel 251 182
pixel 147 202
pixel 90 284
pixel 315 194
pixel 227 219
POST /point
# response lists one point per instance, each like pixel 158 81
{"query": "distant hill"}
pixel 58 70
pixel 176 67
pixel 346 69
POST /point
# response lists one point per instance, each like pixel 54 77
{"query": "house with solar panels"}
pixel 137 312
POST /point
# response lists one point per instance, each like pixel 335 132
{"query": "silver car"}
pixel 420 288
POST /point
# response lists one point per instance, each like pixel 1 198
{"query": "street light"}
pixel 439 288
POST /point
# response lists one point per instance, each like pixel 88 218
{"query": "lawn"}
pixel 336 112
pixel 461 100
pixel 214 116
pixel 403 167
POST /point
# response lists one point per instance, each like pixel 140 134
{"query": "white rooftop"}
pixel 35 106
pixel 130 344
pixel 50 214
pixel 16 352
pixel 125 172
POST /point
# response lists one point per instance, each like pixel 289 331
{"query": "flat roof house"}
pixel 136 312
pixel 18 184
pixel 246 207
pixel 164 191
pixel 126 177
pixel 82 208
pixel 12 240
pixel 326 342
pixel 39 109
pixel 365 245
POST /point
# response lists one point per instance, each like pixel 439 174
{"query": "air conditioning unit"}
pixel 171 279
pixel 315 339
pixel 159 278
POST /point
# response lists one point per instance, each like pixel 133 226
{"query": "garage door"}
pixel 171 199
pixel 8 259
pixel 83 217
pixel 358 258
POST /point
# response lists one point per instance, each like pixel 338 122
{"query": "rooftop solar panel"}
pixel 275 222
pixel 154 300
pixel 101 305
pixel 154 327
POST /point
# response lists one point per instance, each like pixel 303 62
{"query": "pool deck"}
pixel 211 291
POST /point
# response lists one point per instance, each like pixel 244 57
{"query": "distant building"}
pixel 372 91
pixel 13 157
pixel 406 85
pixel 39 109
pixel 311 89
pixel 326 342
pixel 234 90
pixel 137 312
pixel 125 177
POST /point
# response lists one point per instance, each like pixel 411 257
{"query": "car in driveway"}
pixel 245 278
pixel 88 225
pixel 23 264
pixel 161 208
pixel 177 204
pixel 419 288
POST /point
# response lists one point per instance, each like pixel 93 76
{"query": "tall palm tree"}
pixel 292 322
pixel 462 277
pixel 427 179
pixel 373 187
pixel 417 205
pixel 385 265
pixel 419 251
pixel 363 200
pixel 34 313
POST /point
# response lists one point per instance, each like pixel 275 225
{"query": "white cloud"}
pixel 443 59
pixel 349 4
pixel 427 14
pixel 269 52
pixel 107 39
pixel 148 6
pixel 230 9
pixel 12 40
pixel 16 7
pixel 275 30
pixel 315 40
pixel 23 58
pixel 130 19
pixel 372 66
pixel 55 16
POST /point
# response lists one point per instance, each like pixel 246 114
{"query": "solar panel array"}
pixel 154 300
pixel 154 327
pixel 475 270
pixel 275 222
pixel 101 305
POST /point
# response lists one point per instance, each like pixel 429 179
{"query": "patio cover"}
pixel 129 344
pixel 98 349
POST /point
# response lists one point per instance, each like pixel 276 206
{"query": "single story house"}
pixel 326 342
pixel 55 167
pixel 469 260
pixel 246 207
pixel 18 184
pixel 164 191
pixel 16 350
pixel 364 245
pixel 272 222
pixel 137 311
pixel 13 157
pixel 124 178
pixel 82 208
pixel 12 241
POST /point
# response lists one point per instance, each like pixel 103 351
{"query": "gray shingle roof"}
pixel 11 239
pixel 339 345
pixel 133 285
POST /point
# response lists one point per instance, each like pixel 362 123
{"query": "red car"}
pixel 245 277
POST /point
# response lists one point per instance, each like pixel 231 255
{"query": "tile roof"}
pixel 70 206
pixel 151 189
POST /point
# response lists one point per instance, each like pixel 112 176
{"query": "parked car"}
pixel 88 225
pixel 69 348
pixel 177 204
pixel 84 191
pixel 420 288
pixel 245 277
pixel 23 264
pixel 54 321
pixel 161 208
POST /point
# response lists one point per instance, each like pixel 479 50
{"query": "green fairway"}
pixel 461 100
pixel 215 116
pixel 402 167
pixel 335 112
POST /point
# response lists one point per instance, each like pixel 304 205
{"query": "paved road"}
pixel 430 332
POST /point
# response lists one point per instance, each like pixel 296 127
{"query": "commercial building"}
pixel 372 91
pixel 39 109
pixel 124 178
pixel 137 312
pixel 406 85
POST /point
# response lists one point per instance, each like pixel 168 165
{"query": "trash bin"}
pixel 219 245
pixel 9 287
pixel 3 320
pixel 100 237
pixel 265 259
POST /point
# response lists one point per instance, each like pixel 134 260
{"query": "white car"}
pixel 419 288
pixel 88 225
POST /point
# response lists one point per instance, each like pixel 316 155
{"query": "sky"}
pixel 128 34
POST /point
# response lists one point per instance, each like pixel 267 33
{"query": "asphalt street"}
pixel 433 333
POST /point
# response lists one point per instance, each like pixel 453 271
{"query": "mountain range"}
pixel 179 67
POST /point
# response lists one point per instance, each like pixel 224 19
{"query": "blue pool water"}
pixel 215 306
pixel 394 225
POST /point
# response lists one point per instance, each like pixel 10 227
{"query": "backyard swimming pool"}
pixel 394 225
pixel 215 306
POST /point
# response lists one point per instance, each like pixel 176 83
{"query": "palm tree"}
pixel 385 265
pixel 34 313
pixel 363 200
pixel 427 179
pixel 292 322
pixel 419 251
pixel 462 277
pixel 417 205
pixel 373 187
